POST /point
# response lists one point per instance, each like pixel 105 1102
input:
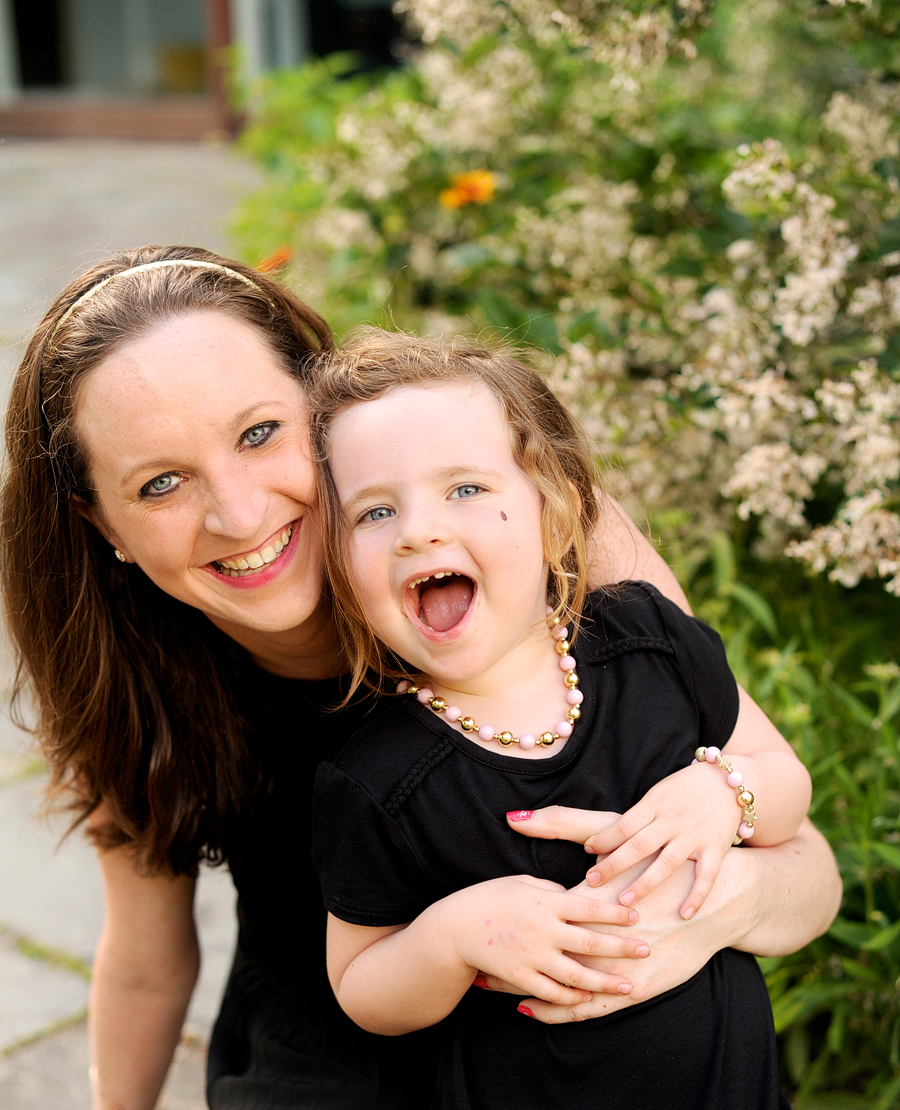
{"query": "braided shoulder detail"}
pixel 415 774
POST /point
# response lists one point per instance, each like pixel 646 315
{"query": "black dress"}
pixel 281 1041
pixel 428 805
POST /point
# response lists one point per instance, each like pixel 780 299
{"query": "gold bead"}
pixel 745 797
pixel 700 755
pixel 505 738
pixel 571 679
pixel 467 724
pixel 563 647
pixel 737 840
pixel 546 738
pixel 438 705
pixel 574 713
pixel 412 688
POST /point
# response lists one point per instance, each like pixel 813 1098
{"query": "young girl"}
pixel 457 503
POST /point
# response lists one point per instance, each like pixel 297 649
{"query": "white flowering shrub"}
pixel 694 208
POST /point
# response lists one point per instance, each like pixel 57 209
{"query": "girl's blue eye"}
pixel 160 485
pixel 258 434
pixel 372 516
pixel 470 489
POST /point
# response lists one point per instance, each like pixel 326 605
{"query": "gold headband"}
pixel 192 263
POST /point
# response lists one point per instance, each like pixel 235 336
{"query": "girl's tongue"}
pixel 443 602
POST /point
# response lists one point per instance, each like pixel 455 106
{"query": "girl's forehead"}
pixel 415 430
pixel 421 403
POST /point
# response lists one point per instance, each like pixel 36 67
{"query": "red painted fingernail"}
pixel 520 815
pixel 524 1010
pixel 480 981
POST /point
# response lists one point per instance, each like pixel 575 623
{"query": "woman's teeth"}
pixel 239 568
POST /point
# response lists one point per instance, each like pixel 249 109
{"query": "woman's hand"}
pixel 769 901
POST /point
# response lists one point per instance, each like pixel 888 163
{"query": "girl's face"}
pixel 197 441
pixel 445 530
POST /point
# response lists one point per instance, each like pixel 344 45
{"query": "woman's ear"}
pixel 93 516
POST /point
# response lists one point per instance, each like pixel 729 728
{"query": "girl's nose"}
pixel 420 530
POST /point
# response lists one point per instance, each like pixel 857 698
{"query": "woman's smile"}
pixel 249 564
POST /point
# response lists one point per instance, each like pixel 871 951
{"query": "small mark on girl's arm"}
pixel 503 514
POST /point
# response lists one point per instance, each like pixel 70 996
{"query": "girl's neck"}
pixel 523 695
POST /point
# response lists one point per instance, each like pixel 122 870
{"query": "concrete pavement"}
pixel 64 204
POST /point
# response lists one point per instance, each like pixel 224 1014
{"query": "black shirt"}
pixel 412 810
pixel 281 1040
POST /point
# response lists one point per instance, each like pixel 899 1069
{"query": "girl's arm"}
pixel 144 972
pixel 400 978
pixel 694 813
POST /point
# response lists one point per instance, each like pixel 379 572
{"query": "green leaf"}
pixel 755 605
pixel 890 853
pixel 854 933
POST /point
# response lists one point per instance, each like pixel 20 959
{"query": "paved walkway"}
pixel 64 204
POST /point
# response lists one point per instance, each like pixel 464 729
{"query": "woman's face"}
pixel 197 444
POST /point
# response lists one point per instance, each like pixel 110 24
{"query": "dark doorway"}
pixel 38 43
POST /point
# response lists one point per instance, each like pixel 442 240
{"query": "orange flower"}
pixel 474 187
pixel 276 261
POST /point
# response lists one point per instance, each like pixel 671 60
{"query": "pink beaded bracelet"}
pixel 735 779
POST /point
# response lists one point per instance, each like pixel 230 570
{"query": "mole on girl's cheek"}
pixel 503 514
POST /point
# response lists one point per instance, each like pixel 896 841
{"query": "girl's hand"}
pixel 519 930
pixel 691 815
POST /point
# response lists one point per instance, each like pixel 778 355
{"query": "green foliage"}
pixel 826 686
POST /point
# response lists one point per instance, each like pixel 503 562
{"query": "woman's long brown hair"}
pixel 132 689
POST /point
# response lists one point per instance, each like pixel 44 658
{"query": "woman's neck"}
pixel 310 651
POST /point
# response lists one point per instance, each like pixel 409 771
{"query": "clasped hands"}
pixel 582 953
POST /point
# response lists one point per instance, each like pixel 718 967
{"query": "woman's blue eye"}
pixel 371 516
pixel 258 434
pixel 161 484
pixel 468 490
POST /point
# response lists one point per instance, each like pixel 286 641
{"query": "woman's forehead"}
pixel 178 383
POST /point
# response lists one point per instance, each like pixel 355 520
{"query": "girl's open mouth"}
pixel 245 565
pixel 440 600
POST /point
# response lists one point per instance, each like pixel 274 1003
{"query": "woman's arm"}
pixel 396 979
pixel 770 901
pixel 144 971
pixel 622 551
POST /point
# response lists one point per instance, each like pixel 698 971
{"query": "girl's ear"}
pixel 93 516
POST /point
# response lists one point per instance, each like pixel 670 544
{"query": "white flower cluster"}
pixel 865 123
pixel 713 380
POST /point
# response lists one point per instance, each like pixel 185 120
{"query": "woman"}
pixel 162 575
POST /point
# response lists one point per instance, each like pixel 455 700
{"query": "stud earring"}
pixel 120 556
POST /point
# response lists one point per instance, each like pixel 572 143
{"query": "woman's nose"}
pixel 236 507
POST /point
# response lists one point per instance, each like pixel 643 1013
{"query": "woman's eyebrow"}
pixel 238 423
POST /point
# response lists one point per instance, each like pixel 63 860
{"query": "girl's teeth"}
pixel 255 561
